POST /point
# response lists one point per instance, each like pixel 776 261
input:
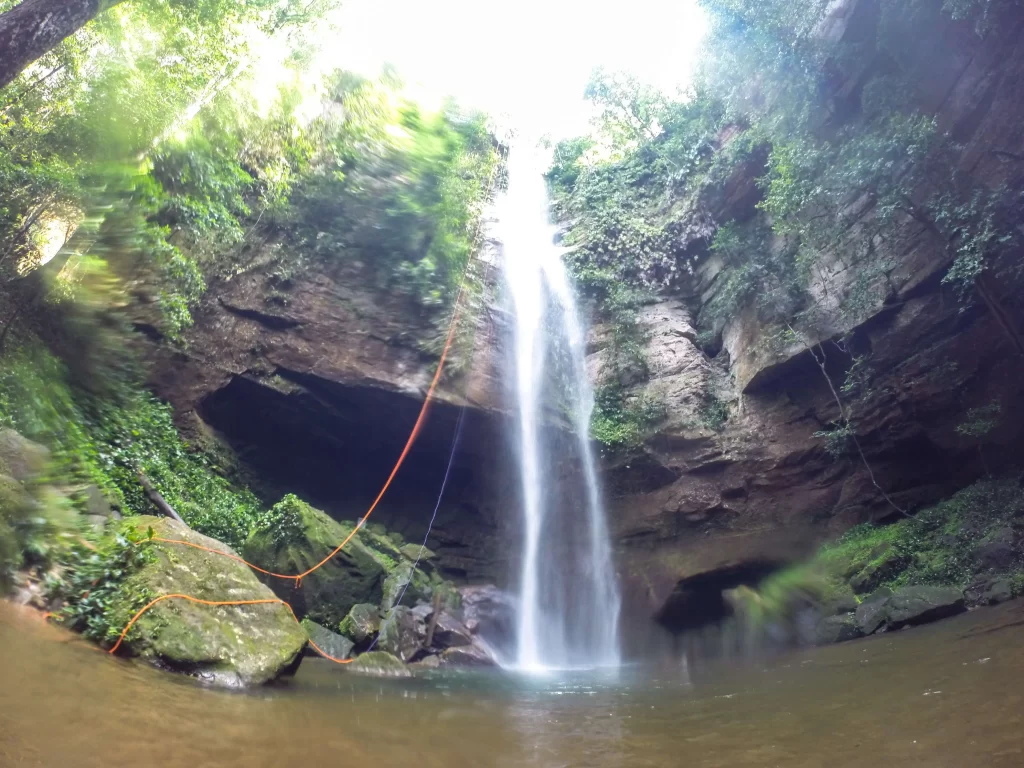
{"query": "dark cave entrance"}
pixel 335 445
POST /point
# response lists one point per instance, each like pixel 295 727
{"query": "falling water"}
pixel 569 602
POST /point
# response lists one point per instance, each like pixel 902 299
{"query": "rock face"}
pixel 400 634
pixel 315 381
pixel 490 614
pixel 230 645
pixel 695 503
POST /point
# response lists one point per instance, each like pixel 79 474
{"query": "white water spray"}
pixel 569 602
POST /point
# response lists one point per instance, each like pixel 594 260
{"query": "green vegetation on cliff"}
pixel 778 189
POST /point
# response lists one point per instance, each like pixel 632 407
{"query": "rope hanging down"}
pixel 297 578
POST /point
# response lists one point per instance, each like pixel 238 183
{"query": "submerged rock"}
pixel 468 656
pixel 836 629
pixel 331 643
pixel 921 604
pixel 228 645
pixel 379 664
pixel 361 624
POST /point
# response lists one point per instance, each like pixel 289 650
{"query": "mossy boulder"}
pixel 361 624
pixel 405 582
pixel 295 537
pixel 416 552
pixel 379 664
pixel 228 645
pixel 334 645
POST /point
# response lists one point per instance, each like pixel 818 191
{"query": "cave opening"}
pixel 334 445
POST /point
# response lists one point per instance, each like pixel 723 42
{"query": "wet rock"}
pixel 379 664
pixel 417 552
pixel 428 663
pixel 836 629
pixel 841 605
pixel 399 634
pixel 422 611
pixel 988 592
pixel 871 614
pixel 449 632
pixel 238 645
pixel 361 624
pixel 999 552
pixel 489 613
pixel 921 604
pixel 405 582
pixel 467 656
pixel 21 458
pixel 331 643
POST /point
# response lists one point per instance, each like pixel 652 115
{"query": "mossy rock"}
pixel 405 582
pixel 355 575
pixel 229 645
pixel 379 664
pixel 331 643
pixel 361 623
pixel 416 552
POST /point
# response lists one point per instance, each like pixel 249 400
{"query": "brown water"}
pixel 946 695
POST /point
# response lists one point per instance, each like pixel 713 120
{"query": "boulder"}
pixel 227 645
pixel 331 643
pixel 416 552
pixel 836 629
pixel 406 583
pixel 399 634
pixel 871 614
pixel 379 664
pixel 361 624
pixel 988 591
pixel 21 458
pixel 467 656
pixel 490 613
pixel 999 552
pixel 298 537
pixel 841 604
pixel 921 604
pixel 449 632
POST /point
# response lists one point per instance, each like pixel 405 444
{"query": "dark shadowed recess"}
pixel 335 445
pixel 699 600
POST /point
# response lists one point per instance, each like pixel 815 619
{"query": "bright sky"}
pixel 529 59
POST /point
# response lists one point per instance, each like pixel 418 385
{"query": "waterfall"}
pixel 569 601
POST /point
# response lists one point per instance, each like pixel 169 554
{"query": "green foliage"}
pixel 620 423
pixel 107 442
pixel 283 521
pixel 91 584
pixel 935 546
pixel 980 421
pixel 713 412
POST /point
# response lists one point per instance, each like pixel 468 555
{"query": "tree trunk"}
pixel 35 27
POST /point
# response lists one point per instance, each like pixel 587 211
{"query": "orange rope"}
pixel 218 603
